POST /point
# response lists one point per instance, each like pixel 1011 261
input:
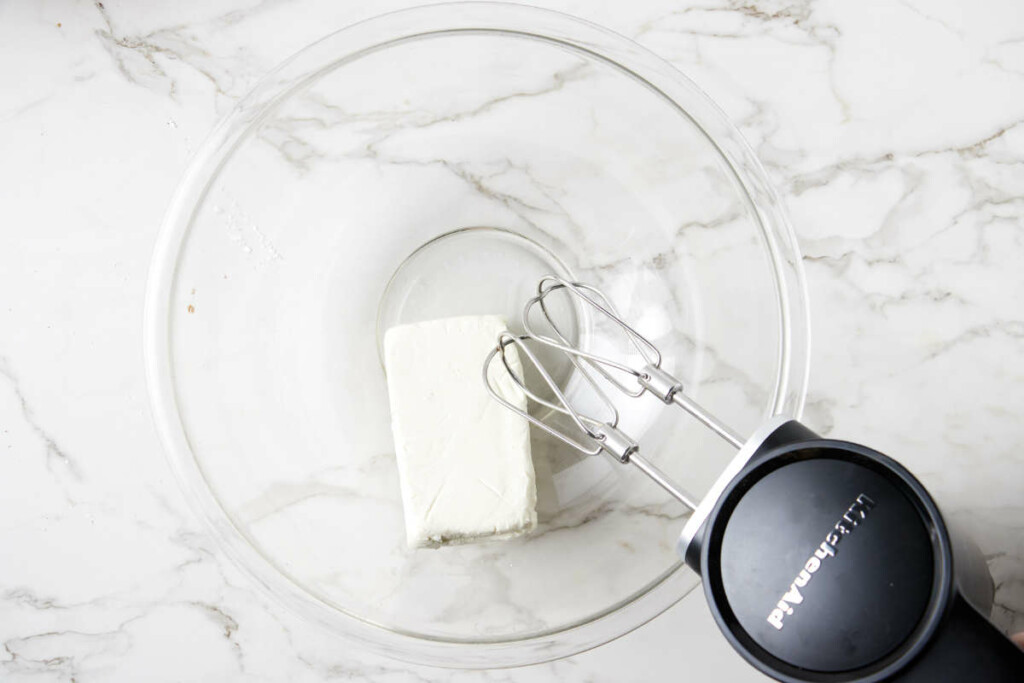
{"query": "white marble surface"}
pixel 893 131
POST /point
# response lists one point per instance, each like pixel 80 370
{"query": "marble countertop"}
pixel 893 130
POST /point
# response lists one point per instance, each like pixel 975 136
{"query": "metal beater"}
pixel 597 434
pixel 896 595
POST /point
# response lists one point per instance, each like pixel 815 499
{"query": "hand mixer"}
pixel 822 560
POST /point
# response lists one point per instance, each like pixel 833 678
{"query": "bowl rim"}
pixel 349 44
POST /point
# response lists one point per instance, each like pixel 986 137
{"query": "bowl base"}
pixel 476 271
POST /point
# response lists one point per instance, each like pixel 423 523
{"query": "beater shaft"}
pixel 670 390
pixel 587 433
pixel 659 478
pixel 707 419
pixel 650 378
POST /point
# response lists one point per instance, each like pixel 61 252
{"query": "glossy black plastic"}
pixel 825 560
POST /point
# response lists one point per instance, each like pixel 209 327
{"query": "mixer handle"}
pixel 967 648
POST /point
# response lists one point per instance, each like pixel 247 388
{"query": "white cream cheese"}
pixel 463 459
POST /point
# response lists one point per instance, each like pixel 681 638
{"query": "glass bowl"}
pixel 437 162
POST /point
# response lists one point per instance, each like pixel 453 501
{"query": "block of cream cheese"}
pixel 463 459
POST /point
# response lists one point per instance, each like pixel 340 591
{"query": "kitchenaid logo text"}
pixel 849 521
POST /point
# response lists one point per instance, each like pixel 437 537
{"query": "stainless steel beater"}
pixel 597 434
pixel 896 595
pixel 649 378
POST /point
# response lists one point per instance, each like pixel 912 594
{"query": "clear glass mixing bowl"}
pixel 437 162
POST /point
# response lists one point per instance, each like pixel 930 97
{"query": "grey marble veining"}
pixel 893 131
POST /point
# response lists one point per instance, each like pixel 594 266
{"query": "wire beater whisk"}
pixel 633 381
pixel 592 434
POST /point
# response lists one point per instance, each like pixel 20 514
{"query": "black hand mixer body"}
pixel 825 560
pixel 822 560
